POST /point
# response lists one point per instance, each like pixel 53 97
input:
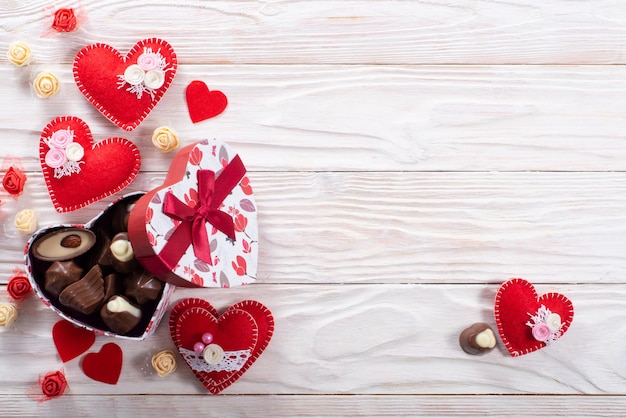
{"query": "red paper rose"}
pixel 19 287
pixel 53 384
pixel 64 20
pixel 13 180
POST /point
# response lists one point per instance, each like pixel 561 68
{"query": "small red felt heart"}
pixel 202 103
pixel 236 331
pixel 71 341
pixel 104 366
pixel 105 168
pixel 99 72
pixel 518 310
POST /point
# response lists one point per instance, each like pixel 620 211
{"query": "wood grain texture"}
pixel 410 227
pixel 360 339
pixel 340 32
pixel 366 118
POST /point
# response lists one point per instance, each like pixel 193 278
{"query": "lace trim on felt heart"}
pixel 64 155
pixel 147 76
pixel 546 326
pixel 233 361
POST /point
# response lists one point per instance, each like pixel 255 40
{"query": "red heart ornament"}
pixel 125 97
pixel 71 341
pixel 242 337
pixel 202 103
pixel 528 322
pixel 105 168
pixel 104 366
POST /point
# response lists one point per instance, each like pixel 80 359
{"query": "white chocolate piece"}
pixel 122 250
pixel 486 339
pixel 118 305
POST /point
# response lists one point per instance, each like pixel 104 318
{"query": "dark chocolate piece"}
pixel 120 315
pixel 112 286
pixel 60 275
pixel 477 339
pixel 85 295
pixel 63 244
pixel 122 257
pixel 143 287
pixel 119 223
pixel 102 256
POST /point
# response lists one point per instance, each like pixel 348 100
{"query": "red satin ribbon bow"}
pixel 211 193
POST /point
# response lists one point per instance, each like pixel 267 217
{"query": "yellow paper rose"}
pixel 46 84
pixel 164 139
pixel 164 362
pixel 19 54
pixel 26 221
pixel 8 314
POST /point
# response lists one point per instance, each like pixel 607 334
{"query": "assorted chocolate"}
pixel 93 275
pixel 478 338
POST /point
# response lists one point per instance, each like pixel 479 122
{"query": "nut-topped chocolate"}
pixel 85 295
pixel 120 315
pixel 63 244
pixel 477 339
pixel 60 275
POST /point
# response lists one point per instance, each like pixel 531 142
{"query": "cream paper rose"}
pixel 165 139
pixel 164 362
pixel 46 84
pixel 26 221
pixel 19 54
pixel 8 314
pixel 213 354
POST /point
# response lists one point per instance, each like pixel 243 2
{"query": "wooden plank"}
pixel 410 227
pixel 320 406
pixel 366 118
pixel 359 339
pixel 339 32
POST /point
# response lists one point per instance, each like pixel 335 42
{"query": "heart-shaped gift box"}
pixel 198 229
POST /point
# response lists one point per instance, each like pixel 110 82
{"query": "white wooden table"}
pixel 407 157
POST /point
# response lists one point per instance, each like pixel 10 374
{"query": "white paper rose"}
pixel 45 84
pixel 8 314
pixel 164 139
pixel 134 75
pixel 19 54
pixel 74 151
pixel 154 79
pixel 26 221
pixel 213 354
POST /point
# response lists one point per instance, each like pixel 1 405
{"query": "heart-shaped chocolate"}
pixel 199 228
pixel 528 322
pixel 78 171
pixel 125 89
pixel 202 103
pixel 242 333
pixel 40 262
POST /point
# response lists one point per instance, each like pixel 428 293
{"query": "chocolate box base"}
pixel 152 311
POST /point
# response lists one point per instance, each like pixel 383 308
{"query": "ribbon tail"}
pixel 200 239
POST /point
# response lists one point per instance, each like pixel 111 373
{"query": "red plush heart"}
pixel 71 341
pixel 99 74
pixel 106 167
pixel 202 103
pixel 104 366
pixel 235 330
pixel 516 305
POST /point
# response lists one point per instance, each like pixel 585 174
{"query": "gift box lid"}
pixel 199 228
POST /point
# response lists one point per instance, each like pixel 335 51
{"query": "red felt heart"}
pixel 202 103
pixel 99 74
pixel 106 167
pixel 236 330
pixel 515 306
pixel 104 366
pixel 71 341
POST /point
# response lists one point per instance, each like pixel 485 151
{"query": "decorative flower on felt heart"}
pixel 8 314
pixel 213 354
pixel 13 180
pixel 19 287
pixel 64 155
pixel 64 20
pixel 46 84
pixel 146 76
pixel 26 221
pixel 19 54
pixel 165 139
pixel 545 325
pixel 164 362
pixel 53 384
